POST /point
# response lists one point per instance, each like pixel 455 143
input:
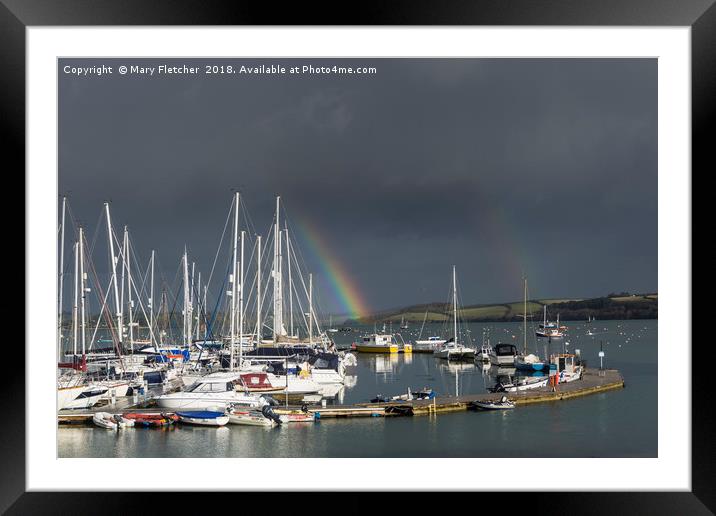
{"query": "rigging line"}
pixel 116 339
pixel 221 241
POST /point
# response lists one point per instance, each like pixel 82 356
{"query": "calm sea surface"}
pixel 620 423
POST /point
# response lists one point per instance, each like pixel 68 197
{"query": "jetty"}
pixel 593 381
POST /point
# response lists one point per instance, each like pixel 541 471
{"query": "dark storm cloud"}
pixel 497 166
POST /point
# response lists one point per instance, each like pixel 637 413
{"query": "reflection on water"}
pixel 620 423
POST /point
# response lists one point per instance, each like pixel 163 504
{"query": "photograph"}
pixel 414 257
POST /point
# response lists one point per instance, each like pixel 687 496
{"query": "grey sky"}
pixel 499 166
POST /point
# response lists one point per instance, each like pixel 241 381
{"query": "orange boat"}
pixel 162 419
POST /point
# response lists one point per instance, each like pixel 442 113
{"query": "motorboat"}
pixel 211 392
pixel 203 418
pixel 501 404
pixel 264 417
pixel 503 354
pixel 377 343
pixel 80 397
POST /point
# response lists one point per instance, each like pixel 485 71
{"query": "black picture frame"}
pixel 17 15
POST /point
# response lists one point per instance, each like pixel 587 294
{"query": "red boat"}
pixel 257 382
pixel 163 419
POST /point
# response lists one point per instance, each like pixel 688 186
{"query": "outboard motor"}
pixel 268 413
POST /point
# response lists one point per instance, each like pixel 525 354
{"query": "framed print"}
pixel 423 249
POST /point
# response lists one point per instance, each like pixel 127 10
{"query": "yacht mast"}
pixel 113 260
pixel 454 303
pixel 310 309
pixel 258 290
pixel 234 279
pixel 130 302
pixel 151 299
pixel 290 283
pixel 75 306
pixel 198 307
pixel 524 316
pixel 83 289
pixel 61 278
pixel 187 306
pixel 277 301
pixel 241 301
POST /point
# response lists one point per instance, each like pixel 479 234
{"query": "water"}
pixel 620 423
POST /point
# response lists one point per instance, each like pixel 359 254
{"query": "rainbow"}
pixel 344 288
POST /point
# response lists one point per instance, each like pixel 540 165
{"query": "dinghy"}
pixel 203 418
pixel 298 417
pixel 152 420
pixel 250 418
pixel 502 404
pixel 111 421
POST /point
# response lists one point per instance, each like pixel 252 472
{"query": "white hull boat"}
pixel 250 419
pixel 203 418
pixel 79 398
pixel 455 353
pixel 111 422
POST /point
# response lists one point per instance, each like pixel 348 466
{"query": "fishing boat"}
pixel 203 418
pixel 503 354
pixel 549 329
pixel 519 384
pixel 485 349
pixel 377 343
pixel 452 349
pixel 501 404
pixel 111 421
pixel 568 368
pixel 151 420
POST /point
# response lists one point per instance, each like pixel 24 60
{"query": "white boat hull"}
pixel 212 421
pixel 205 401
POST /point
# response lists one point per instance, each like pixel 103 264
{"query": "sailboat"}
pixel 403 324
pixel 549 328
pixel 525 361
pixel 331 329
pixel 452 349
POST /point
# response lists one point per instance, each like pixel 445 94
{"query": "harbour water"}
pixel 620 423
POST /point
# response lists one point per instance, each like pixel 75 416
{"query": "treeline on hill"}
pixel 616 306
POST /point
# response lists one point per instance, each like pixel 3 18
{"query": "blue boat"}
pixel 530 363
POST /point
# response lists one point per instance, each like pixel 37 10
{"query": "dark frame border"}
pixel 700 15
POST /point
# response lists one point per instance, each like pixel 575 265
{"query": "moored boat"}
pixel 151 420
pixel 203 418
pixel 377 343
pixel 111 421
pixel 501 404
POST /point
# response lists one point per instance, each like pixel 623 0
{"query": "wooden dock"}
pixel 592 382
